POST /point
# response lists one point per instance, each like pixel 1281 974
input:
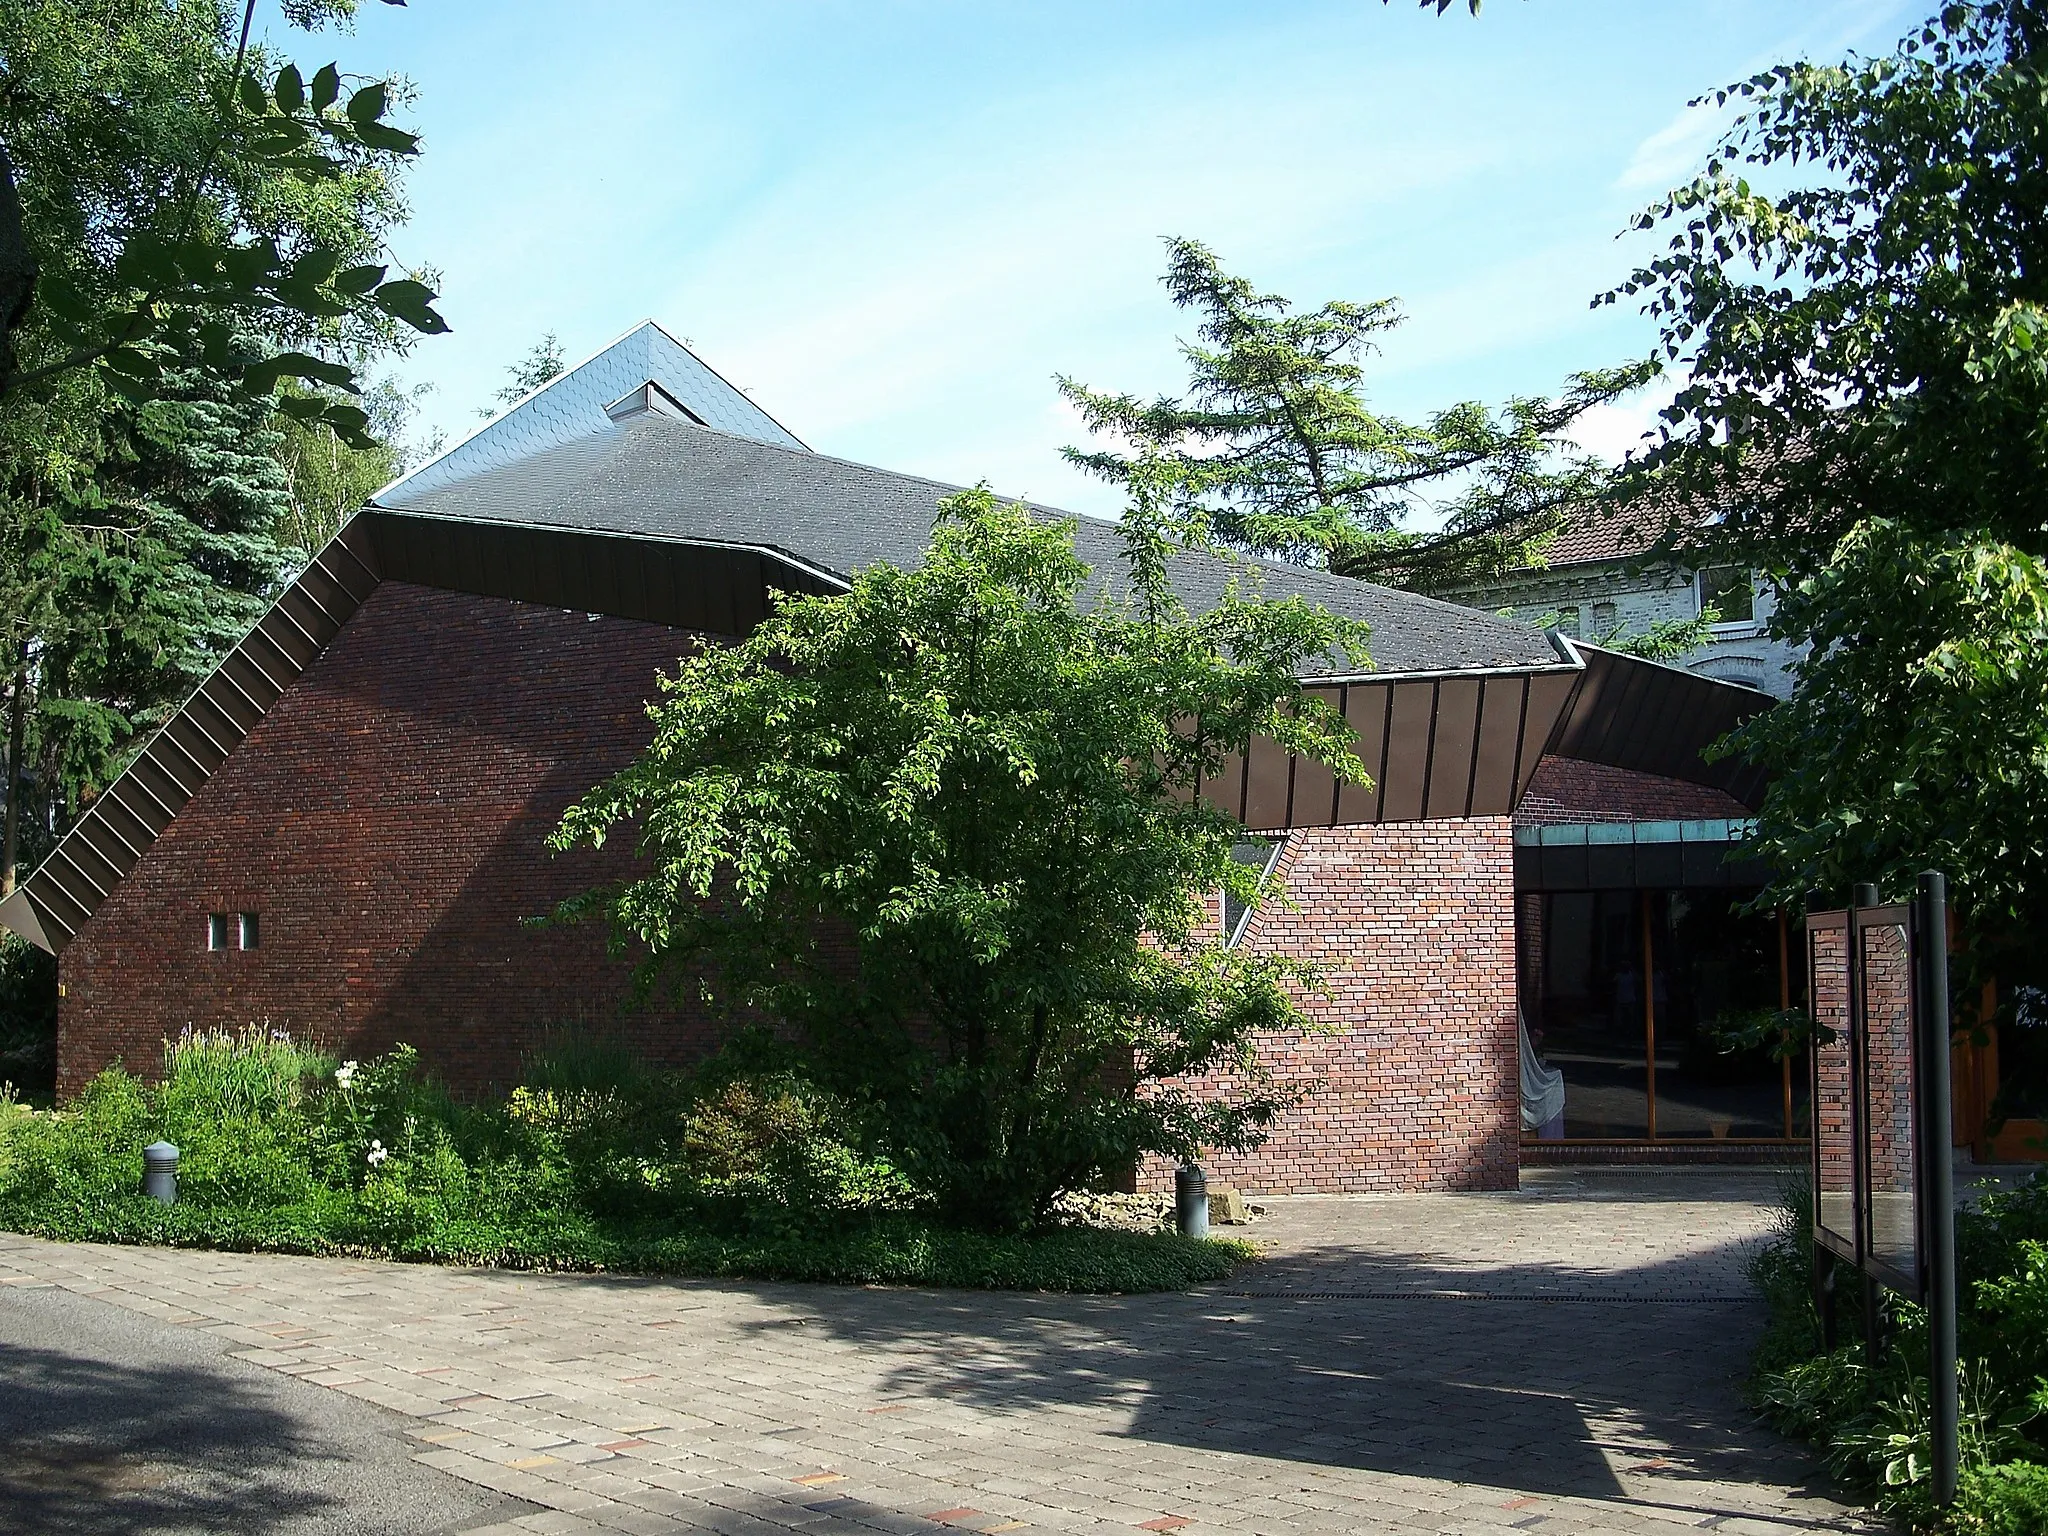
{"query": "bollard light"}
pixel 1191 1201
pixel 160 1172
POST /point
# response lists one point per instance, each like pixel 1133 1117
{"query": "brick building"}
pixel 342 832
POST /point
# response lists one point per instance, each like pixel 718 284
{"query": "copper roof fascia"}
pixel 387 517
pixel 1427 768
pixel 1649 717
pixel 18 916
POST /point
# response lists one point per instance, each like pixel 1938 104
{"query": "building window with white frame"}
pixel 1260 853
pixel 1730 592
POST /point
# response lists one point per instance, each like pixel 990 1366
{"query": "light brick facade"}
pixel 1590 597
pixel 1416 1085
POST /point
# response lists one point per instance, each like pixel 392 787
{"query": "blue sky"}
pixel 892 223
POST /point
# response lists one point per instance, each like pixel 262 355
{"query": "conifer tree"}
pixel 1274 440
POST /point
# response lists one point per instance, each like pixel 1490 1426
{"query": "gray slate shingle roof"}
pixel 654 476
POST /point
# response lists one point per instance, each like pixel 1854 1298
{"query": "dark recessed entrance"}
pixel 1633 984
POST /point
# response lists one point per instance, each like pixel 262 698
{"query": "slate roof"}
pixel 572 405
pixel 654 476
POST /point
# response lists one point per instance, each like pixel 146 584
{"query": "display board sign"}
pixel 1871 1199
pixel 1883 1197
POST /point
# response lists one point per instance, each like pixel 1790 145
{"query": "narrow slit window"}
pixel 216 930
pixel 1260 853
pixel 251 932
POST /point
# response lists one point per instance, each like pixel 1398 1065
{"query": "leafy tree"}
pixel 1928 686
pixel 167 257
pixel 942 826
pixel 1275 442
pixel 329 478
pixel 542 362
pixel 167 191
pixel 1864 356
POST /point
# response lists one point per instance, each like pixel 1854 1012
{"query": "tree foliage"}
pixel 1275 441
pixel 543 361
pixel 190 271
pixel 168 191
pixel 943 826
pixel 1863 345
pixel 1928 685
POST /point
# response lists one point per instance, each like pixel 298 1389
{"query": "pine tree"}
pixel 1275 443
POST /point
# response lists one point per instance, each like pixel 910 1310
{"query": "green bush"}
pixel 2008 1500
pixel 1871 1417
pixel 745 1168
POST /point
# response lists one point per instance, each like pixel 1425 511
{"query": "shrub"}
pixel 781 1150
pixel 736 1171
pixel 1871 1417
pixel 2006 1500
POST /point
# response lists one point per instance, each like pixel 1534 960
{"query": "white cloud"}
pixel 1675 152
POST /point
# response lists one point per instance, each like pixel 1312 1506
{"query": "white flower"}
pixel 344 1074
pixel 377 1153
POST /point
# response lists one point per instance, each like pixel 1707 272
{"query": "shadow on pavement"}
pixel 92 1446
pixel 1298 1362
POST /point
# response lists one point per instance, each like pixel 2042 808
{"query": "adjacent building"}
pixel 1599 583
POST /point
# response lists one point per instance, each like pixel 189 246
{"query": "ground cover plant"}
pixel 744 1167
pixel 1871 1418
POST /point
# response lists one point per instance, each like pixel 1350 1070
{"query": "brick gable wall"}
pixel 386 820
pixel 1413 928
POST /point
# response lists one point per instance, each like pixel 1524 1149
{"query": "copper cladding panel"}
pixel 1226 790
pixel 1315 787
pixel 1365 707
pixel 1454 740
pixel 1549 694
pixel 1266 792
pixel 1500 736
pixel 1407 751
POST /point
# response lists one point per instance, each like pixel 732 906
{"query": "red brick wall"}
pixel 1413 926
pixel 386 820
pixel 1564 789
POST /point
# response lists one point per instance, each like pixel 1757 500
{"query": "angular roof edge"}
pixel 1438 744
pixel 573 404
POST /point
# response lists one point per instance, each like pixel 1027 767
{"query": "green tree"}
pixel 543 361
pixel 329 478
pixel 1919 733
pixel 167 191
pixel 1275 442
pixel 943 827
pixel 178 243
pixel 1863 356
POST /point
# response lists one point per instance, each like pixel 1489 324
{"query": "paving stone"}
pixel 1565 1359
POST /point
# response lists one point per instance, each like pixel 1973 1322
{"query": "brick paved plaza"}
pixel 1564 1359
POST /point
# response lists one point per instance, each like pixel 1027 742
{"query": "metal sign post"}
pixel 1883 1190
